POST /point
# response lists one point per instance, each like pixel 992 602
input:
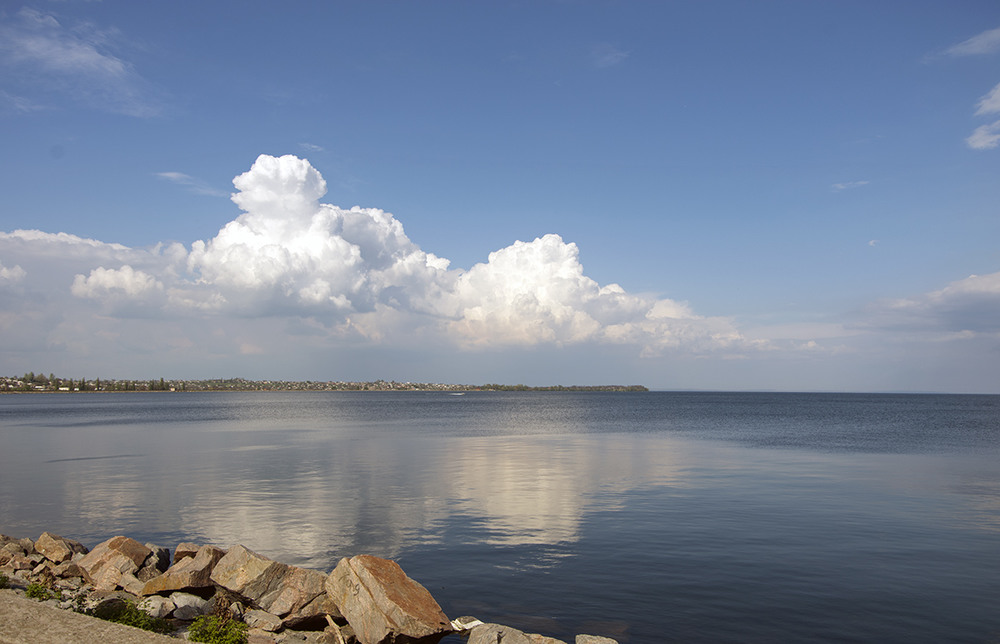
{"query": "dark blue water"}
pixel 648 517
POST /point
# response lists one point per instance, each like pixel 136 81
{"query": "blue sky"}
pixel 688 195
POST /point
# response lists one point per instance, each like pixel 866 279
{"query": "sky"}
pixel 721 195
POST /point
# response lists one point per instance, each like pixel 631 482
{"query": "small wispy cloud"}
pixel 848 185
pixel 191 183
pixel 985 137
pixel 604 55
pixel 13 103
pixel 312 147
pixel 990 103
pixel 43 55
pixel 873 242
pixel 984 43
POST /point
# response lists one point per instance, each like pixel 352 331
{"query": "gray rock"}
pixel 188 607
pixel 382 604
pixel 157 606
pixel 155 564
pixel 594 639
pixel 256 618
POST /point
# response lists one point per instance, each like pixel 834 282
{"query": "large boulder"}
pixel 382 604
pixel 57 549
pixel 289 592
pixel 108 561
pixel 190 573
pixel 248 574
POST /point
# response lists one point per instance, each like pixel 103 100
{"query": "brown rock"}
pixel 248 574
pixel 277 588
pixel 185 550
pixel 382 604
pixel 57 549
pixel 493 633
pixel 109 560
pixel 189 573
pixel 69 569
pixel 297 588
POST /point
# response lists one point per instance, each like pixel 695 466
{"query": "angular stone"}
pixel 21 562
pixel 256 618
pixel 188 606
pixel 312 616
pixel 296 589
pixel 594 639
pixel 250 575
pixel 131 583
pixel 543 639
pixel 493 633
pixel 382 604
pixel 157 606
pixel 9 550
pixel 185 549
pixel 155 564
pixel 109 560
pixel 69 569
pixel 57 549
pixel 187 574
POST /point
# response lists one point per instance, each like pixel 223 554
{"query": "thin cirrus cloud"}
pixel 45 58
pixel 987 137
pixel 356 274
pixel 987 42
pixel 191 183
pixel 984 137
pixel 605 55
pixel 848 185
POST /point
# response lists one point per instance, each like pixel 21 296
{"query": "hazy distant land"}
pixel 31 382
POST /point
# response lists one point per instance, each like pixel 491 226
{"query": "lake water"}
pixel 647 517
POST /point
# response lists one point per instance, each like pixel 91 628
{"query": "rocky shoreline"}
pixel 363 600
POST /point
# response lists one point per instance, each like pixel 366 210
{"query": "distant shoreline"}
pixel 61 385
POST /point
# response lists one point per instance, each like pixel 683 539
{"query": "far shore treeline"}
pixel 40 383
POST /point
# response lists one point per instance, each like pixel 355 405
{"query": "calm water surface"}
pixel 648 517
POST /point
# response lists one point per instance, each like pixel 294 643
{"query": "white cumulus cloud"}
pixel 11 275
pixel 970 306
pixel 355 273
pixel 125 280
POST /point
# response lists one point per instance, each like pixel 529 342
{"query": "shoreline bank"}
pixel 363 600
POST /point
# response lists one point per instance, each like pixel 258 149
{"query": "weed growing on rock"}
pixel 131 615
pixel 38 591
pixel 4 581
pixel 218 629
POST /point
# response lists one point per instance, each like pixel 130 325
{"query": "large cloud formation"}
pixel 354 272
